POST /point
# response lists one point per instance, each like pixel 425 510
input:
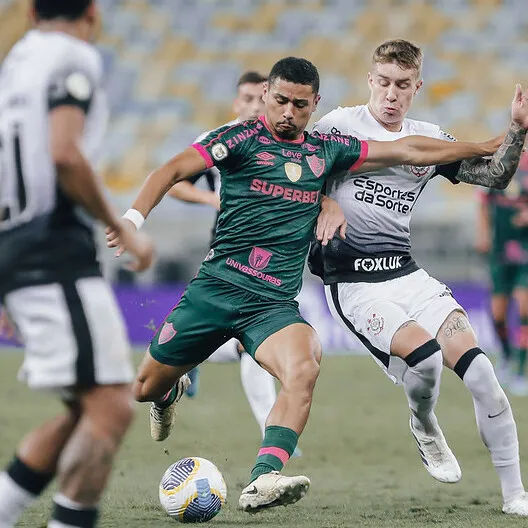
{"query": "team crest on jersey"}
pixel 293 171
pixel 219 152
pixel 259 258
pixel 166 334
pixel 420 172
pixel 316 164
pixel 375 324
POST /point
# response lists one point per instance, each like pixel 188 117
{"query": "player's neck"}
pixel 73 29
pixel 391 127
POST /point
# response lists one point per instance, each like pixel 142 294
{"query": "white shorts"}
pixel 74 335
pixel 375 311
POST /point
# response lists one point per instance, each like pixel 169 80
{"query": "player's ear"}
pixel 419 84
pixel 316 101
pixel 369 79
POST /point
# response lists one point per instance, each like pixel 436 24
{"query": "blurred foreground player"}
pixel 52 120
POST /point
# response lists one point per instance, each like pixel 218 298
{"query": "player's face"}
pixel 288 107
pixel 392 91
pixel 249 103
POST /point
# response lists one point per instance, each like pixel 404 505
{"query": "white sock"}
pixel 58 524
pixel 259 386
pixel 14 501
pixel 496 424
pixel 421 383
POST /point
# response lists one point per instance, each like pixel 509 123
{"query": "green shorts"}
pixel 212 311
pixel 505 278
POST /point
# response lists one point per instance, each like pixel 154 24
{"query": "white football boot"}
pixel 436 456
pixel 517 506
pixel 272 489
pixel 161 420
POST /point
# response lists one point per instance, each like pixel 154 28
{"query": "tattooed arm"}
pixel 497 171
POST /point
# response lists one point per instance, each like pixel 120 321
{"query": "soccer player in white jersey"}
pixel 406 318
pixel 258 384
pixel 52 120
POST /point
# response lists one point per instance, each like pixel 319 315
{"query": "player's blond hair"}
pixel 401 52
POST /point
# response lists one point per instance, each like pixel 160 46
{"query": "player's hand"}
pixel 330 220
pixel 137 244
pixel 521 218
pixel 491 146
pixel 113 239
pixel 519 109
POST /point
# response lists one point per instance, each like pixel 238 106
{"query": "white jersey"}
pixel 43 71
pixel 377 205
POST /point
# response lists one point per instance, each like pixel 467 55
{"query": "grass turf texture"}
pixel 357 447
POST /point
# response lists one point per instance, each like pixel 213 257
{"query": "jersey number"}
pixel 14 206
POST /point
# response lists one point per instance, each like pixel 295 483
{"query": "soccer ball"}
pixel 192 490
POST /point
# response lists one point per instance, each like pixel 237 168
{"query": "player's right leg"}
pixel 409 355
pixel 191 332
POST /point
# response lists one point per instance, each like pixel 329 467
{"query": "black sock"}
pixel 35 482
pixel 80 518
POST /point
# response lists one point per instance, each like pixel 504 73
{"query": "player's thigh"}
pixel 502 277
pixel 456 337
pixel 368 312
pixel 73 333
pixel 291 353
pixel 193 330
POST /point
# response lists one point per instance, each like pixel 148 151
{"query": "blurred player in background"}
pixel 408 320
pixel 272 174
pixel 52 120
pixel 502 230
pixel 258 384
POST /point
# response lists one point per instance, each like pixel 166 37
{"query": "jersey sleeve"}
pixel 218 149
pixel 346 152
pixel 75 79
pixel 450 170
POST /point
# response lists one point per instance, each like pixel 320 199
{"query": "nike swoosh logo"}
pixel 495 415
pixel 252 491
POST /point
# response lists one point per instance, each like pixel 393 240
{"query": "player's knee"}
pixel 426 361
pixel 112 411
pixel 302 375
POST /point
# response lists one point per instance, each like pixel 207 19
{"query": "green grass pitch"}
pixel 358 452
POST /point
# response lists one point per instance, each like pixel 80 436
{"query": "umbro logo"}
pixel 265 158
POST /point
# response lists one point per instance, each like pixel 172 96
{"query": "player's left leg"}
pixel 34 466
pixel 492 409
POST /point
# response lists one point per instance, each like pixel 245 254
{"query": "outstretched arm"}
pixel 497 171
pixel 420 151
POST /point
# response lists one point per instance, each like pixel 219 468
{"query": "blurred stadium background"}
pixel 171 70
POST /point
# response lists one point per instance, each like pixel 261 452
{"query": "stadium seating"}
pixel 172 67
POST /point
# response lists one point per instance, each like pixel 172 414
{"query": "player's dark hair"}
pixel 251 77
pixel 68 9
pixel 295 70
